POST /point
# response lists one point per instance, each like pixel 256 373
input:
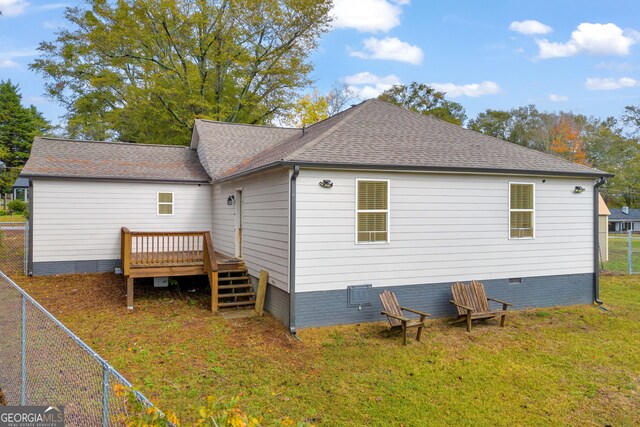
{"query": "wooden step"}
pixel 237 303
pixel 230 278
pixel 239 294
pixel 234 270
pixel 236 286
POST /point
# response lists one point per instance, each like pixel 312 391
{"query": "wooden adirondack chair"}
pixel 397 319
pixel 472 304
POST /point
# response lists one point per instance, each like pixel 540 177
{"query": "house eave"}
pixel 115 178
pixel 436 169
pixel 447 169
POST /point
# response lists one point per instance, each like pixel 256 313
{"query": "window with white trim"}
pixel 165 203
pixel 372 211
pixel 521 210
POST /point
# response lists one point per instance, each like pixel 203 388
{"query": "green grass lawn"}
pixel 618 250
pixel 14 218
pixel 575 365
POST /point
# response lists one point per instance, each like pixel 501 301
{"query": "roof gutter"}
pixel 400 168
pixel 115 179
pixel 596 240
pixel 292 252
pixel 409 168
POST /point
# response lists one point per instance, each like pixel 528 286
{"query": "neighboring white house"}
pixel 21 189
pixel 624 219
pixel 376 197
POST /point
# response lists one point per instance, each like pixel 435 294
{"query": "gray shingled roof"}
pixel 378 134
pixel 21 182
pixel 618 215
pixel 223 146
pixel 52 157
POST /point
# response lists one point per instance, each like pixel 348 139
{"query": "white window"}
pixel 165 203
pixel 372 211
pixel 521 210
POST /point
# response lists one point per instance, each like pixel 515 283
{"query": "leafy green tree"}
pixel 631 116
pixel 424 99
pixel 495 123
pixel 143 70
pixel 18 126
pixel 609 149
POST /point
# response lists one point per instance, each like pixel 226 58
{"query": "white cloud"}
pixel 368 85
pixel 38 100
pixel 13 7
pixel 558 98
pixel 530 26
pixel 7 58
pixel 615 66
pixel 8 63
pixel 473 90
pixel 595 83
pixel 390 48
pixel 593 39
pixel 368 15
pixel 52 6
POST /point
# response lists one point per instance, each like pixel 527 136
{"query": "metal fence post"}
pixel 105 396
pixel 23 335
pixel 629 250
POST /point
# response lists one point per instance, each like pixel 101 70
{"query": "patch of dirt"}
pixel 78 292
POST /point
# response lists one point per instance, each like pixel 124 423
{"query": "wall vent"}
pixel 359 296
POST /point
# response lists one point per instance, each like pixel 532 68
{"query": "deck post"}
pixel 211 267
pixel 130 293
pixel 213 281
pixel 125 244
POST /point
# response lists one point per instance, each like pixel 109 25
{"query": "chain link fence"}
pixel 43 363
pixel 624 253
pixel 14 238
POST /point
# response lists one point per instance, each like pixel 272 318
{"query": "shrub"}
pixel 216 413
pixel 17 206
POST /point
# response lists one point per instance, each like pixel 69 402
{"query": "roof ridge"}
pixel 247 124
pixel 288 140
pixel 353 111
pixel 131 144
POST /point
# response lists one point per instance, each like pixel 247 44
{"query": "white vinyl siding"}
pixel 372 211
pixel 76 220
pixel 444 228
pixel 265 223
pixel 522 218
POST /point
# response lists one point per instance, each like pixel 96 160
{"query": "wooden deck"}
pixel 161 254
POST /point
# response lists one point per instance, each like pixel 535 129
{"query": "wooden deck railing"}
pixel 161 249
pixel 169 250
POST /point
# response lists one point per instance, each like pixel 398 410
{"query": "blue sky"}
pixel 581 56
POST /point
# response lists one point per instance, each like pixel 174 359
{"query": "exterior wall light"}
pixel 230 200
pixel 326 183
pixel 578 189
